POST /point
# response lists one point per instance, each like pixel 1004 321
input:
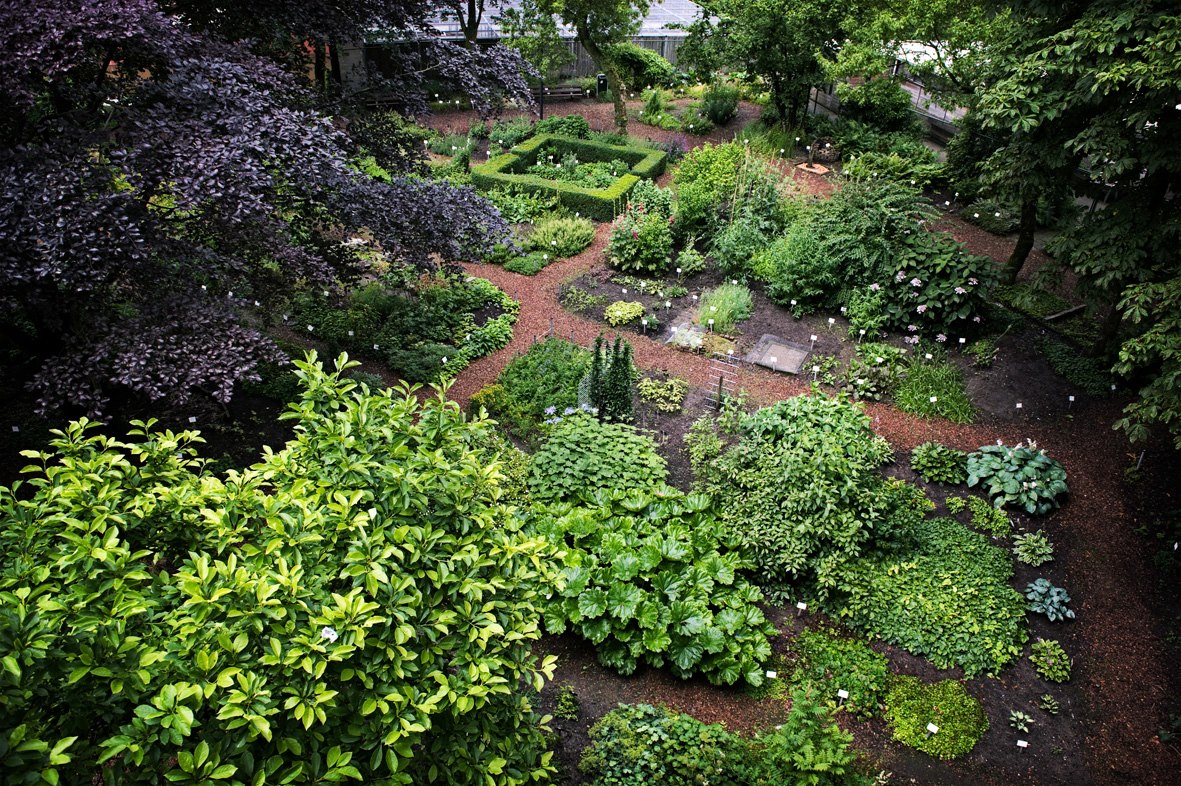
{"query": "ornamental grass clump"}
pixel 1019 476
pixel 726 305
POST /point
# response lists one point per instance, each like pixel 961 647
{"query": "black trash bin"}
pixel 602 83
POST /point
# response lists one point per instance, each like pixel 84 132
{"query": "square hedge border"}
pixel 599 204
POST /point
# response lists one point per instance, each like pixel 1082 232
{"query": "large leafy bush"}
pixel 948 600
pixel 703 182
pixel 318 617
pixel 582 455
pixel 1018 475
pixel 546 376
pixel 650 578
pixel 801 490
pixel 641 242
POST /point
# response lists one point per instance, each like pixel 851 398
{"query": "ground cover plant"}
pixel 933 389
pixel 581 454
pixel 649 577
pixel 912 704
pixel 638 745
pixel 948 600
pixel 985 517
pixel 827 663
pixel 324 553
pixel 939 464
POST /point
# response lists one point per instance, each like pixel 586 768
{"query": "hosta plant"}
pixel 1048 703
pixel 649 577
pixel 1033 548
pixel 1050 660
pixel 1019 476
pixel 1020 720
pixel 621 312
pixel 939 464
pixel 1045 598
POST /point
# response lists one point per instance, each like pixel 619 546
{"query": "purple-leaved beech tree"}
pixel 160 183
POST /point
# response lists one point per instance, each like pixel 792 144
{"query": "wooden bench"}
pixel 558 93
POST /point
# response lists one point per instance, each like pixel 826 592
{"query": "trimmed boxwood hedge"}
pixel 600 204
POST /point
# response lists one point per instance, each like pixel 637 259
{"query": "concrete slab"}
pixel 778 354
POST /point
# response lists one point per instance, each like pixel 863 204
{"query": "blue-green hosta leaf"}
pixel 592 603
pixel 656 640
pixel 623 600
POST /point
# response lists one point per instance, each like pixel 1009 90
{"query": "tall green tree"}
pixel 781 43
pixel 599 24
pixel 358 606
pixel 531 28
pixel 1097 84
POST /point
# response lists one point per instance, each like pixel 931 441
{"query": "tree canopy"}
pixel 357 606
pixel 163 188
pixel 599 24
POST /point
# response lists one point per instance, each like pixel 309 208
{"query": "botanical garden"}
pixel 727 420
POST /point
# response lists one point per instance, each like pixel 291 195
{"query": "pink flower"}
pixel 916 282
pixel 635 235
pixel 911 340
pixel 901 276
pixel 941 338
pixel 972 281
pixel 961 291
pixel 912 328
pixel 976 319
pixel 874 287
pixel 921 309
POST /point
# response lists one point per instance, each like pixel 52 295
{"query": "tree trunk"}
pixel 1025 230
pixel 607 66
pixel 320 68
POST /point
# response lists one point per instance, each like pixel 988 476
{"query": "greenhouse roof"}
pixel 661 15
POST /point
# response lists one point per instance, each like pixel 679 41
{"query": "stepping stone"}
pixel 778 354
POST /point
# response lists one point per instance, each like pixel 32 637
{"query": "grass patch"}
pixel 934 390
pixel 726 305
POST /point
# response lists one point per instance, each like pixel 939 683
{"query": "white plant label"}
pixel 802 606
pixel 773 360
pixel 1022 743
pixel 193 419
pixel 932 728
pixel 842 694
pixel 772 675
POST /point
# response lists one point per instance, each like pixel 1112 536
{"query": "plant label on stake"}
pixel 801 607
pixel 772 674
pixel 193 419
pixel 813 347
pixel 815 372
pixel 711 326
pixel 1022 744
pixel 932 729
pixel 843 696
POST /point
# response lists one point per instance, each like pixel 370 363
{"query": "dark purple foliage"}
pixel 157 182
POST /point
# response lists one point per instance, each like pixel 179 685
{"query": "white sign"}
pixel 1022 744
pixel 773 360
pixel 932 728
pixel 193 419
pixel 772 675
pixel 802 606
pixel 843 694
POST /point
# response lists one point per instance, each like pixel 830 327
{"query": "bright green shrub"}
pixel 529 264
pixel 651 198
pixel 690 261
pixel 1033 548
pixel 1018 475
pixel 798 269
pixel 562 237
pixel 939 464
pixel 640 243
pixel 826 663
pixel 666 395
pixel 510 133
pixel 325 553
pixel 705 178
pixel 719 103
pixel 1050 660
pixel 641 68
pixel 881 103
pixel 581 455
pixel 726 305
pixel 801 490
pixel 544 378
pixel 574 126
pixel 737 246
pixel 933 390
pixel 621 312
pixel 912 704
pixel 650 578
pixel 520 206
pixel 948 599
